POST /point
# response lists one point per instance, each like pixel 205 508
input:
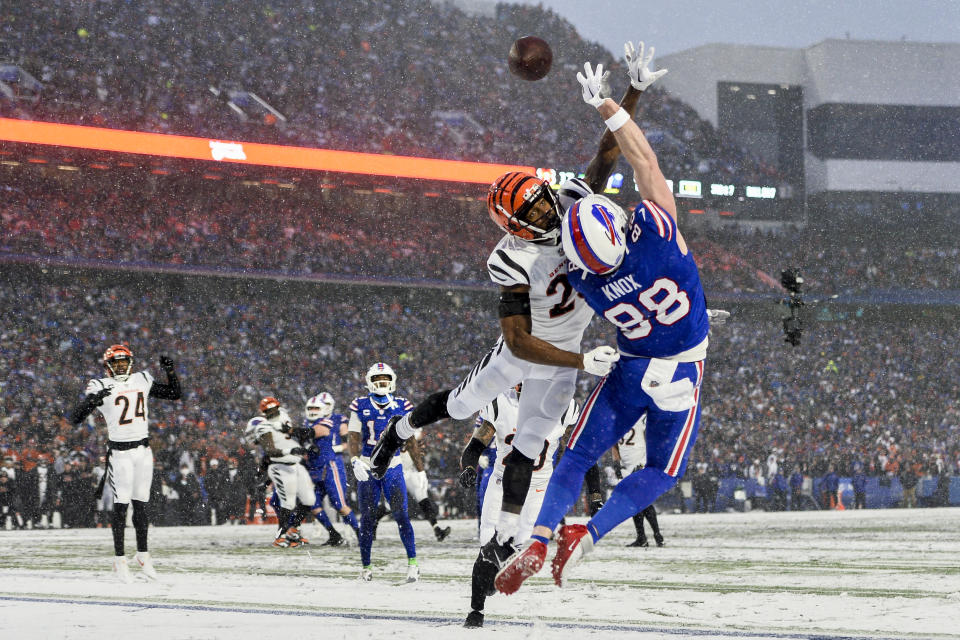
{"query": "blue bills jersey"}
pixel 325 444
pixel 654 298
pixel 373 418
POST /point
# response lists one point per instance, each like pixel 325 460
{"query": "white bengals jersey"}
pixel 282 441
pixel 558 314
pixel 125 408
pixel 502 414
pixel 633 446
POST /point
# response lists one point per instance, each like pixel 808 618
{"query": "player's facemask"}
pixel 120 368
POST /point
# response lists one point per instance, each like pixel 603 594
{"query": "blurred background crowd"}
pixel 870 393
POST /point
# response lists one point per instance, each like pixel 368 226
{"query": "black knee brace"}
pixel 430 410
pixel 518 469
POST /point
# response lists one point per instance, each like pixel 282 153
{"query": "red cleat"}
pixel 523 565
pixel 573 542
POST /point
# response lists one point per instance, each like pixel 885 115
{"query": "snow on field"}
pixel 875 574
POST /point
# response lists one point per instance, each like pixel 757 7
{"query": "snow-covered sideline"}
pixel 876 574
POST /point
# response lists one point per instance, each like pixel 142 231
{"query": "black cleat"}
pixel 639 542
pixel 474 620
pixel 388 444
pixel 441 533
pixel 496 554
pixel 335 540
pixel 659 540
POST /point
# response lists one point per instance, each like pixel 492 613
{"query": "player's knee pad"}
pixel 518 469
pixel 430 410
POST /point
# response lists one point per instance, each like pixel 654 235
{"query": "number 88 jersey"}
pixel 654 298
pixel 125 408
pixel 558 313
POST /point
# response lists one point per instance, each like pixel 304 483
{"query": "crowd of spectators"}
pixel 875 394
pixel 349 231
pixel 409 77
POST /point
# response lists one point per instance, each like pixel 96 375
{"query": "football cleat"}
pixel 496 554
pixel 474 620
pixel 121 570
pixel 659 540
pixel 146 564
pixel 294 537
pixel 335 540
pixel 366 574
pixel 441 533
pixel 413 573
pixel 283 543
pixel 520 567
pixel 388 444
pixel 573 542
pixel 639 542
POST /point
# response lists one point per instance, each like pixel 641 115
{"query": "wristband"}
pixel 617 120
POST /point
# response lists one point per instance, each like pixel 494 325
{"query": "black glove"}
pixel 96 399
pixel 167 364
pixel 596 502
pixel 468 477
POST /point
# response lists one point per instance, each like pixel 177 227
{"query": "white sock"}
pixel 404 428
pixel 507 526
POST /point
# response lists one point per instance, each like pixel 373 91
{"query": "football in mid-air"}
pixel 530 58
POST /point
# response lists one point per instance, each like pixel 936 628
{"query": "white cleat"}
pixel 413 573
pixel 146 564
pixel 121 570
pixel 366 575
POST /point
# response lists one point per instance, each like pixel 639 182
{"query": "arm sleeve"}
pixel 354 425
pixel 507 268
pixel 85 407
pixel 169 391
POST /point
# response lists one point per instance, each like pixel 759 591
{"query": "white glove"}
pixel 637 66
pixel 717 317
pixel 422 482
pixel 361 470
pixel 600 361
pixel 594 84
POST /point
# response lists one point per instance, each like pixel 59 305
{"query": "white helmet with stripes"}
pixel 381 379
pixel 593 233
pixel 319 406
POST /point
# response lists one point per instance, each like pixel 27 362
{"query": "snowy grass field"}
pixel 865 574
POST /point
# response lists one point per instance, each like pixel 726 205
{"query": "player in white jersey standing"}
pixel 630 455
pixel 121 398
pixel 542 322
pixel 415 477
pixel 274 432
pixel 499 419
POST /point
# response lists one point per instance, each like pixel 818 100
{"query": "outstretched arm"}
pixel 602 164
pixel 171 390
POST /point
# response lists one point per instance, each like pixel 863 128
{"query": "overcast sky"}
pixel 675 25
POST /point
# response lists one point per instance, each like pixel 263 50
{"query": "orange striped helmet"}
pixel 114 355
pixel 515 203
pixel 269 404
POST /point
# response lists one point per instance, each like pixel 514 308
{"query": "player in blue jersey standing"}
pixel 325 464
pixel 369 416
pixel 638 273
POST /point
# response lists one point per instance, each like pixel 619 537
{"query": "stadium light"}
pixel 174 146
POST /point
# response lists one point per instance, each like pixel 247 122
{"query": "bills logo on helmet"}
pixel 593 236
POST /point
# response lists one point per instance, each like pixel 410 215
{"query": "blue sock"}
pixel 542 539
pixel 323 519
pixel 351 520
pixel 635 493
pixel 406 532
